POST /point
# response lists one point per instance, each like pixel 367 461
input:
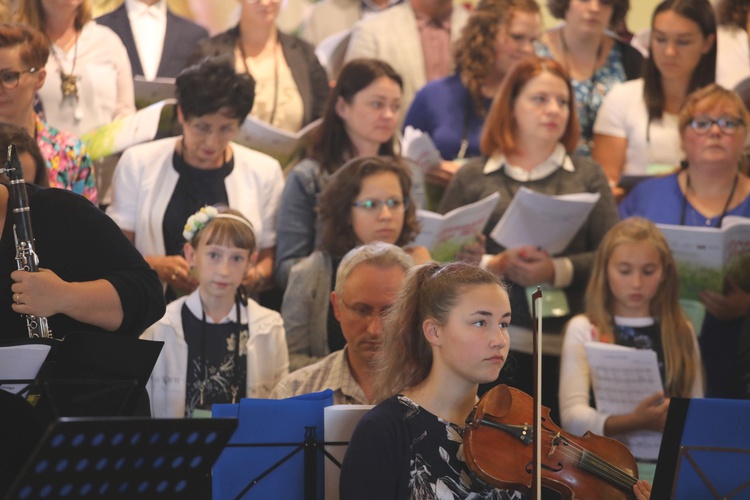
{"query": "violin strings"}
pixel 603 467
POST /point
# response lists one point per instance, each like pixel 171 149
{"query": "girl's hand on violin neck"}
pixel 642 490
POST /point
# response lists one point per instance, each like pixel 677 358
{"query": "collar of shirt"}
pixel 341 378
pixel 371 6
pixel 424 20
pixel 137 9
pixel 196 307
pixel 558 159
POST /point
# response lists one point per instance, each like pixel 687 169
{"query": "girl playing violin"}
pixel 447 333
pixel 219 346
pixel 631 300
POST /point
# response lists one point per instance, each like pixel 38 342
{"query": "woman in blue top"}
pixel 713 126
pixel 497 35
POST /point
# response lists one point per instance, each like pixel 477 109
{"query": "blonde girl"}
pixel 201 364
pixel 631 300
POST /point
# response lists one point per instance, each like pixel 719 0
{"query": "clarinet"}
pixel 26 257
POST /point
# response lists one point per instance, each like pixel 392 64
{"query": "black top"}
pixel 399 450
pixel 213 362
pixel 642 337
pixel 79 242
pixel 195 188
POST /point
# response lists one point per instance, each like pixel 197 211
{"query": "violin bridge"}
pixel 553 446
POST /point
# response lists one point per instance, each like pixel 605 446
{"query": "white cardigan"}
pixel 145 179
pixel 267 357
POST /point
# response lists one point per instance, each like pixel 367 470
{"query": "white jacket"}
pixel 267 357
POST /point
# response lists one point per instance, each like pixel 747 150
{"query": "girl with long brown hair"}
pixel 633 300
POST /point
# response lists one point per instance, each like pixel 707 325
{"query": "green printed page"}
pixel 130 130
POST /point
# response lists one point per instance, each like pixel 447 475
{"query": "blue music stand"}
pixel 123 458
pixel 705 451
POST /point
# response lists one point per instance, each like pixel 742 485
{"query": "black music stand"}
pixel 705 451
pixel 94 374
pixel 123 458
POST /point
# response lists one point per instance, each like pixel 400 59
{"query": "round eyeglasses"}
pixel 9 79
pixel 727 125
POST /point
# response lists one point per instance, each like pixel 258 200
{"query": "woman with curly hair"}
pixel 365 201
pixel 733 57
pixel 498 34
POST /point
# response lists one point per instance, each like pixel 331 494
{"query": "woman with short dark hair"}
pixel 157 186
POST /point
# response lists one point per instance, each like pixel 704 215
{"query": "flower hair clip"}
pixel 198 221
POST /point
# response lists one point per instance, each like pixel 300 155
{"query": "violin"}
pixel 498 450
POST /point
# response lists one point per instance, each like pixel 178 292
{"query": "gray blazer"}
pixel 305 310
pixel 393 36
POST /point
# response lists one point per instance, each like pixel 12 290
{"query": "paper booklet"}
pixel 621 378
pixel 340 421
pixel 706 255
pixel 130 130
pixel 147 92
pixel 273 141
pixel 418 147
pixel 20 362
pixel 331 52
pixel 445 235
pixel 547 222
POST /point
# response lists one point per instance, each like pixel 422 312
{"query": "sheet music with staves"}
pixel 621 378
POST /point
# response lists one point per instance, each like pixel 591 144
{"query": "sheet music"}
pixel 621 378
pixel 548 222
pixel 21 362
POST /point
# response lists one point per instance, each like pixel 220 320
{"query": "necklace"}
pixel 726 204
pixel 68 81
pixel 241 46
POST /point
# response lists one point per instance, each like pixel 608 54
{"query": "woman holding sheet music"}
pixel 157 186
pixel 531 147
pixel 713 127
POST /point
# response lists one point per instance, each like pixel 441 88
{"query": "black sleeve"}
pixel 376 462
pixel 79 242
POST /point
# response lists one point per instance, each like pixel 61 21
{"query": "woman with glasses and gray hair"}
pixel 709 186
pixel 365 201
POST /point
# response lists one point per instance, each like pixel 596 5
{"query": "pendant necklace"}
pixel 68 81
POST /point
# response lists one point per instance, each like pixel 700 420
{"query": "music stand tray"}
pixel 123 458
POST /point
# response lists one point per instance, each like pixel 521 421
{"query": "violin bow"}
pixel 536 328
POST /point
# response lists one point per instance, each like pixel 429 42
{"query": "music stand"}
pixel 94 374
pixel 705 450
pixel 123 458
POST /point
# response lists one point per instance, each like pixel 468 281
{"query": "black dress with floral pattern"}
pixel 399 450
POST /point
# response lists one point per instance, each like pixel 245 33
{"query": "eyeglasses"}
pixel 728 126
pixel 9 79
pixel 203 129
pixel 373 205
pixel 366 312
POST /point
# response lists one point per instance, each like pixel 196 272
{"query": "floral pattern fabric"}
pixel 68 163
pixel 589 94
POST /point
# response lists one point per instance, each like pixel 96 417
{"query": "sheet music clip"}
pixel 123 458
